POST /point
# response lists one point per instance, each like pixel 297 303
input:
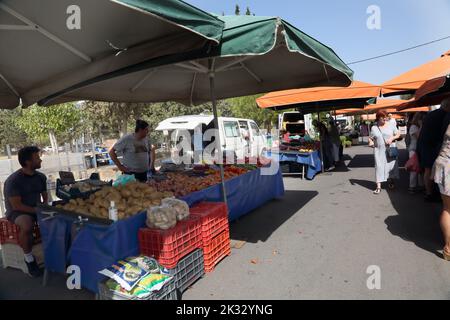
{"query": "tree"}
pixel 10 132
pixel 246 107
pixel 110 119
pixel 237 11
pixel 55 121
pixel 248 12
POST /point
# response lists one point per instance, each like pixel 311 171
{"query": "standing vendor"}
pixel 138 153
pixel 24 190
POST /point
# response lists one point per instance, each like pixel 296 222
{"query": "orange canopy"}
pixel 413 79
pixel 384 104
pixel 319 95
pixel 350 111
pixel 432 92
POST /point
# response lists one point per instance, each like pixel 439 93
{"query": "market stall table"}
pixel 309 159
pixel 94 246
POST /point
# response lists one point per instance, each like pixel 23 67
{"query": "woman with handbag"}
pixel 382 138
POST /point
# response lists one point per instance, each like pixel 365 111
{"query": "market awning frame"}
pixel 43 55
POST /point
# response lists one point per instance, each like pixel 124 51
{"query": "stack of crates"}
pixel 215 232
pixel 168 247
pixel 12 253
pixel 188 270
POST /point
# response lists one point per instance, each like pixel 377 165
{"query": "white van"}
pixel 241 137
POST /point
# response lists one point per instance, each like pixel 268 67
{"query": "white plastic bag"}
pixel 181 208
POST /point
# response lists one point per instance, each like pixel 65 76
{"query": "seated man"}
pixel 23 191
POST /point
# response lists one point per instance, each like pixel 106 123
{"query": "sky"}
pixel 342 25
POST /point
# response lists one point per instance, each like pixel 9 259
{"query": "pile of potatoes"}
pixel 129 200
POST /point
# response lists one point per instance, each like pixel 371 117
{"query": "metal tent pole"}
pixel 320 140
pixel 216 124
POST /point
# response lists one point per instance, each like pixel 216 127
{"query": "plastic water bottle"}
pixel 113 215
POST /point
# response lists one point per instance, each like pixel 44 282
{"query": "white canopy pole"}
pixel 216 124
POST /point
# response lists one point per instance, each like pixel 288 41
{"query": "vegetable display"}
pixel 129 199
pixel 182 184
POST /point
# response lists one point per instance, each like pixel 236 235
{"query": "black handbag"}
pixel 391 152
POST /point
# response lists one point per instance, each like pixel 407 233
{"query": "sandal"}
pixel 446 255
pixel 377 191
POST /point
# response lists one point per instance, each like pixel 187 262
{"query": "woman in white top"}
pixel 414 131
pixel 382 137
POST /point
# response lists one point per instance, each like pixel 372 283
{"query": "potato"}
pixel 104 213
pixel 121 206
pixel 168 194
pixel 126 193
pixel 73 202
pixel 155 202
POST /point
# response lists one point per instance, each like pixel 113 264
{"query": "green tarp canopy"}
pixel 255 55
pixel 49 45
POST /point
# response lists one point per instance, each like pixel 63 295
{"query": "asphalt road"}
pixel 316 243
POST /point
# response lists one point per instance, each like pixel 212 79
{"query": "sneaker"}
pixel 33 269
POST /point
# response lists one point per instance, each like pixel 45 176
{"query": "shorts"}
pixel 15 214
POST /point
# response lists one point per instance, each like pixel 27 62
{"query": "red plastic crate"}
pixel 170 246
pixel 9 232
pixel 214 218
pixel 218 249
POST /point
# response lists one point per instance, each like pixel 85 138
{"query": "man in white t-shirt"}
pixel 138 153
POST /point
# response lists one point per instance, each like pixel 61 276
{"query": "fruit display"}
pixel 182 184
pixel 129 200
pixel 305 147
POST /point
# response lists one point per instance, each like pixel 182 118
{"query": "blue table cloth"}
pixel 95 247
pixel 311 160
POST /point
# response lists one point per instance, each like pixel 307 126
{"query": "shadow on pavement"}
pixel 16 285
pixel 416 221
pixel 261 223
pixel 362 161
pixel 371 185
pixel 346 157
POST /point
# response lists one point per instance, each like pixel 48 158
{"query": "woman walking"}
pixel 382 138
pixel 415 179
pixel 441 175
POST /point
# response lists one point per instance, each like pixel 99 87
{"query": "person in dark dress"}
pixel 428 146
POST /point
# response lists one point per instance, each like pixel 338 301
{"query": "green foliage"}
pixel 10 132
pixel 248 12
pixel 61 119
pixel 246 107
pixel 237 10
